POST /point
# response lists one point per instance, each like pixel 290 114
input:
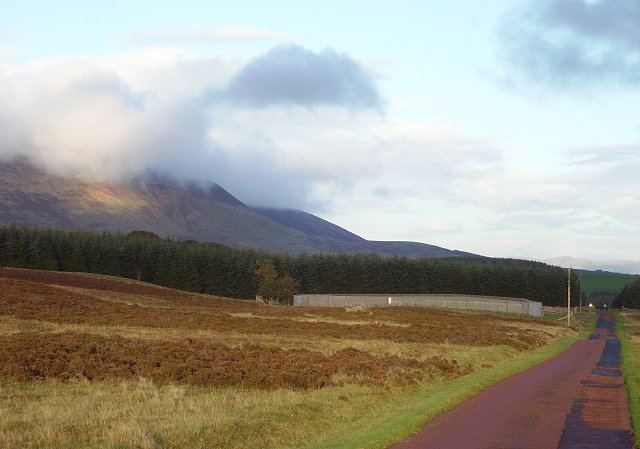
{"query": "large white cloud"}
pixel 339 156
pixel 114 116
pixel 111 117
pixel 74 117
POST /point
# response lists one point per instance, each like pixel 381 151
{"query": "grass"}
pixel 470 356
pixel 629 333
pixel 143 414
pixel 423 405
pixel 111 364
pixel 604 282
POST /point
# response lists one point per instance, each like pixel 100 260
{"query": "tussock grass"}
pixel 365 406
pixel 467 356
pixel 141 414
pixel 311 318
pixel 424 404
pixel 628 330
pixel 144 415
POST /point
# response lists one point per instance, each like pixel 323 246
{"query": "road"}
pixel 576 400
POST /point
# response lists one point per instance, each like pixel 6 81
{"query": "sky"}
pixel 503 128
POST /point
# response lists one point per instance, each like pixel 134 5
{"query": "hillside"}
pixel 101 362
pixel 604 282
pixel 318 228
pixel 612 266
pixel 31 197
pixel 224 271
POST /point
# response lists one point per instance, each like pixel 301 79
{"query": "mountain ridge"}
pixel 29 196
pixel 613 266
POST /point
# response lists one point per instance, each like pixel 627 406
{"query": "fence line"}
pixel 519 306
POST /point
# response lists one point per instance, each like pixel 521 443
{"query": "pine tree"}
pixel 41 253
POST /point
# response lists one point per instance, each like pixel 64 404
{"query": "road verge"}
pixel 427 403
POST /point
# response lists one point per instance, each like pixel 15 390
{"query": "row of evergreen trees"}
pixel 630 295
pixel 220 270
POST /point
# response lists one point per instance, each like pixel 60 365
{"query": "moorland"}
pixel 104 362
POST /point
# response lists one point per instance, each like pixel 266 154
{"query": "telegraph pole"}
pixel 580 294
pixel 569 298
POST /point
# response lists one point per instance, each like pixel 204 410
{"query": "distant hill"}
pixel 613 266
pixel 413 249
pixel 604 282
pixel 316 227
pixel 31 197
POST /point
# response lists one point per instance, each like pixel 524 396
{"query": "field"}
pixel 628 324
pixel 100 362
pixel 601 282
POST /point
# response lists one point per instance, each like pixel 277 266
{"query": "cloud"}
pixel 291 75
pixel 602 154
pixel 591 202
pixel 335 157
pixel 608 176
pixel 201 34
pixel 613 166
pixel 615 20
pixel 114 116
pixel 573 43
pixel 76 118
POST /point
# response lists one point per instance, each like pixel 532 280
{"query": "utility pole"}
pixel 569 298
pixel 580 278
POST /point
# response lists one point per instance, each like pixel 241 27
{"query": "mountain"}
pixel 317 227
pixel 309 224
pixel 415 250
pixel 614 266
pixel 31 197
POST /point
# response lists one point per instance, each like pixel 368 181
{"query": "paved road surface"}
pixel 573 401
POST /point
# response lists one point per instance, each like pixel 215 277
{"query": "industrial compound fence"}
pixel 519 306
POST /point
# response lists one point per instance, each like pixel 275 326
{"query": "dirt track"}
pixel 575 400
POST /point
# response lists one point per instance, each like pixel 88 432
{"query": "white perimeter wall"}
pixel 519 306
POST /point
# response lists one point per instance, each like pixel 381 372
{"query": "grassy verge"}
pixel 423 405
pixel 627 327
